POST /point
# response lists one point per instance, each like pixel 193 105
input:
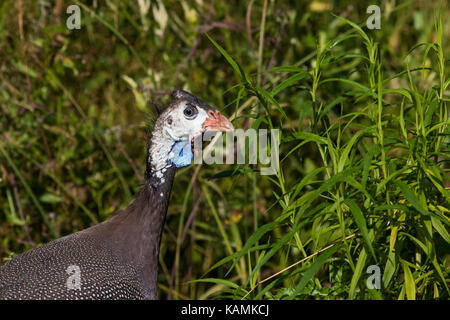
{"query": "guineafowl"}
pixel 118 259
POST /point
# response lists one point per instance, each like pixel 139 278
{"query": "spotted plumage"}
pixel 116 259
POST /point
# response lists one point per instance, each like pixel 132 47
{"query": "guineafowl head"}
pixel 185 119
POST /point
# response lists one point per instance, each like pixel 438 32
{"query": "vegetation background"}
pixel 364 153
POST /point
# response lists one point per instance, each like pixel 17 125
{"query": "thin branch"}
pixel 261 41
pixel 249 24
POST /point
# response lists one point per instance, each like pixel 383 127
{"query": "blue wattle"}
pixel 182 154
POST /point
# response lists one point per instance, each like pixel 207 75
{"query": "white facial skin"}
pixel 182 128
pixel 174 124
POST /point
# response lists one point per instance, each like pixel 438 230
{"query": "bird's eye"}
pixel 190 112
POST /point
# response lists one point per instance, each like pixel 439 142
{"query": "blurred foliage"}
pixel 364 150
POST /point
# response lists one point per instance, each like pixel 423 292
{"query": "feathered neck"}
pixel 163 152
pixel 134 234
pixel 158 154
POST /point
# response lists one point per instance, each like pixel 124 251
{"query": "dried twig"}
pixel 248 22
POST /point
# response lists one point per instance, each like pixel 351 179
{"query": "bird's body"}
pixel 116 259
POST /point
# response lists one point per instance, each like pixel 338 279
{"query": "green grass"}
pixel 364 140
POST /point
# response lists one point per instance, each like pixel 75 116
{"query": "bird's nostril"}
pixel 212 114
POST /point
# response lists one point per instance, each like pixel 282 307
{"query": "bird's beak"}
pixel 217 122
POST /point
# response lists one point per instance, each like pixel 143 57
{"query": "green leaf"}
pixel 305 180
pixel 51 198
pixel 389 269
pixel 254 238
pixel 305 200
pixel 439 227
pixel 312 270
pixel 353 83
pixel 361 223
pixel 230 60
pixel 216 281
pixel 30 192
pixel 410 285
pixel 235 256
pixel 285 69
pixel 403 92
pixel 356 27
pixel 270 99
pixel 25 69
pixel 307 136
pixel 357 273
pixel 231 173
pixel 418 242
pixel 292 80
pixel 367 160
pixel 414 201
pixel 331 105
pixel 346 151
pixel 411 197
pixel 280 243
